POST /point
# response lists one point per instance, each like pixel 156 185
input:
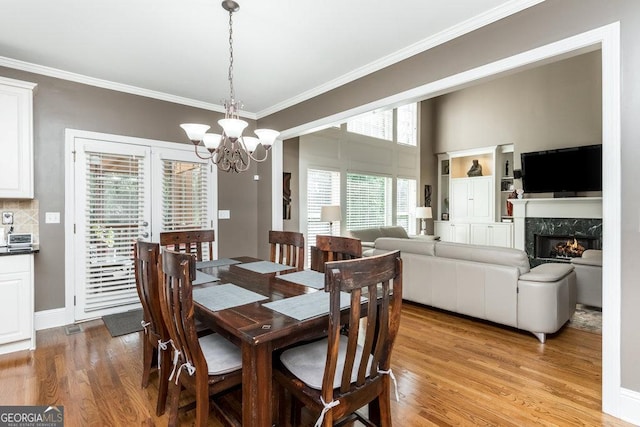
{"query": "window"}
pixel 323 188
pixel 376 124
pixel 408 124
pixel 368 201
pixel 406 204
pixel 184 195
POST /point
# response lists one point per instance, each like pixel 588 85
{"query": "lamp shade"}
pixel 424 212
pixel 330 213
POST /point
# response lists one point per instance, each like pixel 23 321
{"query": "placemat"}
pixel 306 306
pixel 221 297
pixel 311 278
pixel 216 263
pixel 264 267
pixel 203 278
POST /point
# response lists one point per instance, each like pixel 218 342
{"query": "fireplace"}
pixel 563 247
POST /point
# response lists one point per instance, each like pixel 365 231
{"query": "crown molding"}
pixel 442 37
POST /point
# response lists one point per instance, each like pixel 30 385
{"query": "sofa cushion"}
pixel 421 247
pixel 486 254
pixel 549 272
pixel 589 257
pixel 371 234
pixel 396 231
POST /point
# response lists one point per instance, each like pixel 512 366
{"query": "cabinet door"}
pixel 502 235
pixel 460 233
pixel 442 229
pixel 16 313
pixel 16 142
pixel 481 198
pixel 480 234
pixel 459 199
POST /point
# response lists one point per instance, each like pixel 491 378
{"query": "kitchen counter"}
pixel 33 249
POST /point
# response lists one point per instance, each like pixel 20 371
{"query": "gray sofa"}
pixel 369 235
pixel 486 282
pixel 589 278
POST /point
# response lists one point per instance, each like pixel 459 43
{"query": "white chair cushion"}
pixel 222 355
pixel 307 362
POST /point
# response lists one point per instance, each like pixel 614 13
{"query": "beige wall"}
pixel 553 106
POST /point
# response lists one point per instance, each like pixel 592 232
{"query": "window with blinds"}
pixel 184 195
pixel 114 209
pixel 407 124
pixel 368 201
pixel 323 189
pixel 406 204
pixel 376 124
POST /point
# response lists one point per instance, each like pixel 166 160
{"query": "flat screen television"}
pixel 566 170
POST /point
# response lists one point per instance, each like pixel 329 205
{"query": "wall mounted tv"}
pixel 566 170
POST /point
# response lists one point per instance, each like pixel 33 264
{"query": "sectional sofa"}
pixel 486 282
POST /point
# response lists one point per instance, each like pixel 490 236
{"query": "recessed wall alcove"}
pixel 587 231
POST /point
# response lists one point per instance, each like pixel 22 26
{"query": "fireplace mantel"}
pixel 569 207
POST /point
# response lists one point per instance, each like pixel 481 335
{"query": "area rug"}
pixel 587 319
pixel 123 323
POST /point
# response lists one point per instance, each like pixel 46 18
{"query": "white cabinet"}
pixel 16 139
pixel 16 305
pixel 452 232
pixel 471 199
pixel 497 234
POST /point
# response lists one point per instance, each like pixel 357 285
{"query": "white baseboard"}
pixel 630 406
pixel 50 318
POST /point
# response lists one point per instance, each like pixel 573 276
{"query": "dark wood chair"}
pixel 337 375
pixel 287 247
pixel 189 241
pixel 156 337
pixel 205 366
pixel 334 248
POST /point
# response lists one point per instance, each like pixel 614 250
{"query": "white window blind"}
pixel 377 124
pixel 184 195
pixel 323 189
pixel 368 201
pixel 406 204
pixel 407 126
pixel 114 212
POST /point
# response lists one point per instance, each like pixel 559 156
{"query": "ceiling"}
pixel 285 51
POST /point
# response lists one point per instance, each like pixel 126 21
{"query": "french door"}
pixel 125 192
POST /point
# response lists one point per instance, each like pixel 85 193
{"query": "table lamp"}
pixel 330 214
pixel 423 212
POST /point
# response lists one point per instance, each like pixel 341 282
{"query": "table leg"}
pixel 256 385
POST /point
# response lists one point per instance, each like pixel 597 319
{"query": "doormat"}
pixel 123 323
pixel 587 319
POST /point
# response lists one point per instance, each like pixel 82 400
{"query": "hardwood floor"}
pixel 450 370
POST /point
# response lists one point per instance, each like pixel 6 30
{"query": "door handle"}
pixel 145 224
pixel 144 235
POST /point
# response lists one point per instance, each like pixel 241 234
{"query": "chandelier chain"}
pixel 232 91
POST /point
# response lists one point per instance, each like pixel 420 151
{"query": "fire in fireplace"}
pixel 563 247
pixel 569 249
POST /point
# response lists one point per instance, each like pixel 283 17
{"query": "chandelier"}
pixel 231 151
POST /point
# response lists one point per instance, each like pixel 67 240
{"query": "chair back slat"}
pixel 177 305
pixel 379 279
pixel 145 257
pixel 189 241
pixel 287 247
pixel 334 248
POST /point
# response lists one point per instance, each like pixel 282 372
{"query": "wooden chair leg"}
pixel 382 405
pixel 163 381
pixel 202 401
pixel 147 360
pixel 174 403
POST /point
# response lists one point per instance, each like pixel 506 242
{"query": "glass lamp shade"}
pixel 267 136
pixel 233 127
pixel 330 213
pixel 423 212
pixel 194 131
pixel 211 140
pixel 251 143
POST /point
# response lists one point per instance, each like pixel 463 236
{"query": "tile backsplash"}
pixel 25 216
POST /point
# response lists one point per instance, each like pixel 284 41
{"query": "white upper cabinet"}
pixel 16 139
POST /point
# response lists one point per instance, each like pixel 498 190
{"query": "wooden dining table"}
pixel 258 330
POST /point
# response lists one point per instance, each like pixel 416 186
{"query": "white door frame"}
pixel 616 400
pixel 70 262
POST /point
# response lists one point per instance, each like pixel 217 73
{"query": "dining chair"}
pixel 189 241
pixel 337 375
pixel 287 247
pixel 155 338
pixel 205 366
pixel 334 248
